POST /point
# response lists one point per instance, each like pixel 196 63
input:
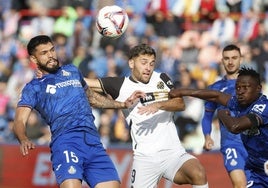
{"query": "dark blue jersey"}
pixel 256 138
pixel 226 86
pixel 61 100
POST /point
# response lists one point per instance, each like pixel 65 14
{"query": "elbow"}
pixel 94 105
pixel 235 129
pixel 180 107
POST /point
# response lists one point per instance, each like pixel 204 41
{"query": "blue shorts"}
pixel 234 157
pixel 257 180
pixel 80 155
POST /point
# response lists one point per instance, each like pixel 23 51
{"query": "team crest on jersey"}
pixel 71 170
pixel 65 73
pixel 160 85
pixel 259 107
pixel 233 162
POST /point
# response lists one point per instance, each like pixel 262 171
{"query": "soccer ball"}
pixel 112 21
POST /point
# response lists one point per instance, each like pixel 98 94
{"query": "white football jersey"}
pixel 150 133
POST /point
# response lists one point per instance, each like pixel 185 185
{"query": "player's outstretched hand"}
pixel 148 109
pixel 134 98
pixel 25 146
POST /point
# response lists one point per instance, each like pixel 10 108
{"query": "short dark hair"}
pixel 36 41
pixel 231 47
pixel 142 49
pixel 247 71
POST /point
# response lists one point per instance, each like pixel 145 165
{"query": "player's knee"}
pixel 199 175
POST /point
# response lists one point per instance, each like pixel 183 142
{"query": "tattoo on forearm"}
pixel 99 101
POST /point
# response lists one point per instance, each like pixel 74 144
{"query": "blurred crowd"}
pixel 188 36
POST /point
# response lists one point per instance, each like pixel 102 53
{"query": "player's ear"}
pixel 33 59
pixel 131 63
pixel 259 88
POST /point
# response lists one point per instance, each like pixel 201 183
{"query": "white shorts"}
pixel 148 170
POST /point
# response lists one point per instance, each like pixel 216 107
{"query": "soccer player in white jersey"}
pixel 157 149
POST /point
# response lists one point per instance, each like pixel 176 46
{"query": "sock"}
pixel 201 186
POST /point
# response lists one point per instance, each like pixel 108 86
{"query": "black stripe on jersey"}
pixel 167 80
pixel 112 85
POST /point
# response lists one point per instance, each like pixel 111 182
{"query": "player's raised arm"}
pixel 205 94
pixel 100 101
pixel 239 124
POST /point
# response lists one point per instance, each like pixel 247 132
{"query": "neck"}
pixel 231 76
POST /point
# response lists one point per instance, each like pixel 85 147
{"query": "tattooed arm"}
pixel 99 101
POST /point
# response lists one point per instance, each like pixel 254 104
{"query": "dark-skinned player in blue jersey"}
pixel 232 148
pixel 64 100
pixel 247 115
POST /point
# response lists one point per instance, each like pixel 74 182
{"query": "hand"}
pixel 209 143
pixel 134 98
pixel 173 93
pixel 148 109
pixel 25 146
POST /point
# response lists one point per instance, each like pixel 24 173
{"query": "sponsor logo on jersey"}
pixel 52 88
pixel 259 108
pixel 154 96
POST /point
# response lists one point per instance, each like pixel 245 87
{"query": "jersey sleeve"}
pixel 167 80
pixel 207 122
pixel 111 85
pixel 261 110
pixel 27 97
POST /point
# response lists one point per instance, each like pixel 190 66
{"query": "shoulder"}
pixel 219 84
pixel 261 105
pixel 112 85
pixel 166 79
pixel 112 80
pixel 69 66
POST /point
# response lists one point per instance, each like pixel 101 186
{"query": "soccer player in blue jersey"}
pixel 246 114
pixel 63 99
pixel 232 148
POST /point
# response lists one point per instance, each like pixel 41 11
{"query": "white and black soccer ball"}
pixel 112 21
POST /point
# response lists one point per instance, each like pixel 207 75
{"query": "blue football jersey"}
pixel 61 100
pixel 226 86
pixel 256 138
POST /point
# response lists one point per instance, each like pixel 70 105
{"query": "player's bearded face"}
pixel 50 66
pixel 143 67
